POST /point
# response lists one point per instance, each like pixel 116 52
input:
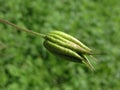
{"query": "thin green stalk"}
pixel 23 29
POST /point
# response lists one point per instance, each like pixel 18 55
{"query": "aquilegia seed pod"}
pixel 68 47
pixel 62 44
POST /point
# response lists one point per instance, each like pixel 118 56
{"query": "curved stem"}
pixel 23 29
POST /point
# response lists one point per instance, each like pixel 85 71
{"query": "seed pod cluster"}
pixel 68 47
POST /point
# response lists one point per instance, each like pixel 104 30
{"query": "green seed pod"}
pixel 66 49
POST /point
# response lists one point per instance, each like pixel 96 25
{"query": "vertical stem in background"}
pixel 22 29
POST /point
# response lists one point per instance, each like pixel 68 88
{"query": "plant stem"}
pixel 23 29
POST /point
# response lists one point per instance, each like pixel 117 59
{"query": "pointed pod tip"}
pixel 87 63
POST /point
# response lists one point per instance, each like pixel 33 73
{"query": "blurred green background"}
pixel 26 65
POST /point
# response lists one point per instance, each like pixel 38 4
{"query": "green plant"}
pixel 62 44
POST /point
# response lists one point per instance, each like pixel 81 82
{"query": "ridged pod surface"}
pixel 68 47
pixel 71 38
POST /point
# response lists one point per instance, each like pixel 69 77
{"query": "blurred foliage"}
pixel 26 65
